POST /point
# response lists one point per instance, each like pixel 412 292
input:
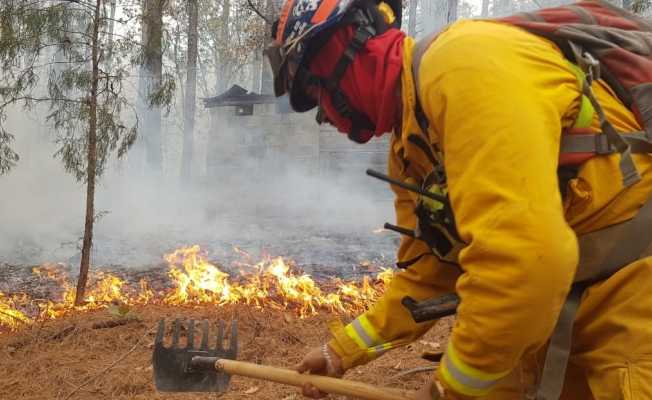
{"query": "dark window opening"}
pixel 244 110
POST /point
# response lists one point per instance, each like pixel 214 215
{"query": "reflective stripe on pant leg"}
pixel 465 379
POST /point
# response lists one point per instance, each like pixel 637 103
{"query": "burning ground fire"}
pixel 270 283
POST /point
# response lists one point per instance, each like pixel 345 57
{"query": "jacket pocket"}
pixel 578 198
pixel 636 379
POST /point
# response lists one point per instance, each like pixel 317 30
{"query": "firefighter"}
pixel 485 106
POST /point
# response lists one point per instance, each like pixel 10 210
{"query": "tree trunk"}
pixel 109 56
pixel 502 8
pixel 485 8
pixel 267 78
pixel 202 68
pixel 152 73
pixel 256 72
pixel 190 103
pixel 139 152
pixel 412 18
pixel 202 81
pixel 91 164
pixel 435 14
pixel 178 69
pixel 221 61
pixel 452 11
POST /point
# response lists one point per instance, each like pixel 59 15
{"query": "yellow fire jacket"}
pixel 497 99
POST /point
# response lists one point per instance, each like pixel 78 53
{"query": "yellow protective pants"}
pixel 611 356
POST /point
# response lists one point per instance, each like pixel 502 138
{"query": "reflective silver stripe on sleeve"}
pixel 362 333
pixel 380 349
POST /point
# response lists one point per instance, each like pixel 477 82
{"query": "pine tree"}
pixel 72 43
pixel 641 6
pixel 151 80
pixel 190 101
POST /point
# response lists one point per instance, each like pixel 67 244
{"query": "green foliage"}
pixel 53 40
pixel 230 35
pixel 641 6
pixel 8 158
pixel 164 96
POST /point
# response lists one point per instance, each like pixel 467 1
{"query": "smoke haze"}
pixel 318 220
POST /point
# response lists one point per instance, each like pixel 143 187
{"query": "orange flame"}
pixel 272 282
pixel 9 315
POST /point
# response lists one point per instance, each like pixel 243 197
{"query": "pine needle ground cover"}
pixel 96 355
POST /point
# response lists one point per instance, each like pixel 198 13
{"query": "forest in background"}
pixel 118 84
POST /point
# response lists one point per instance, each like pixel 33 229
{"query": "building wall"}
pixel 269 143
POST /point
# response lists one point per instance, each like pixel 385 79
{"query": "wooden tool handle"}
pixel 323 383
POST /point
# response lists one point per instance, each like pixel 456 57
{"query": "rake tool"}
pixel 209 367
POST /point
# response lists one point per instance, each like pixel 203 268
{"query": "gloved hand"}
pixel 317 362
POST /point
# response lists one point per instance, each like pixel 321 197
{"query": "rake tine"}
pixel 186 363
pixel 191 334
pixel 176 333
pixel 220 336
pixel 204 336
pixel 233 339
pixel 160 332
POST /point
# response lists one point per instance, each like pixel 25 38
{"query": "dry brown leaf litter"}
pixel 51 360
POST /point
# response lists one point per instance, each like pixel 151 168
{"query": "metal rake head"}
pixel 173 369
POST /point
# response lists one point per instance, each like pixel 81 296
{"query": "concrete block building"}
pixel 260 133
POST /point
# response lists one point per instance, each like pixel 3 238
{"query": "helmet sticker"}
pixel 325 10
pixel 283 19
pixel 297 29
pixel 305 6
pixel 343 5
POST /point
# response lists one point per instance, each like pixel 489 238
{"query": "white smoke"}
pixel 315 217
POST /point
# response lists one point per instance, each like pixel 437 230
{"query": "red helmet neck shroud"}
pixel 369 83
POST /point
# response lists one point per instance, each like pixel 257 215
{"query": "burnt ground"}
pixel 321 253
pixel 51 360
pixel 21 279
pixel 332 249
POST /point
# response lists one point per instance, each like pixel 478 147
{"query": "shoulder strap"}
pixel 419 50
pixel 598 144
pixel 591 67
pixel 612 44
